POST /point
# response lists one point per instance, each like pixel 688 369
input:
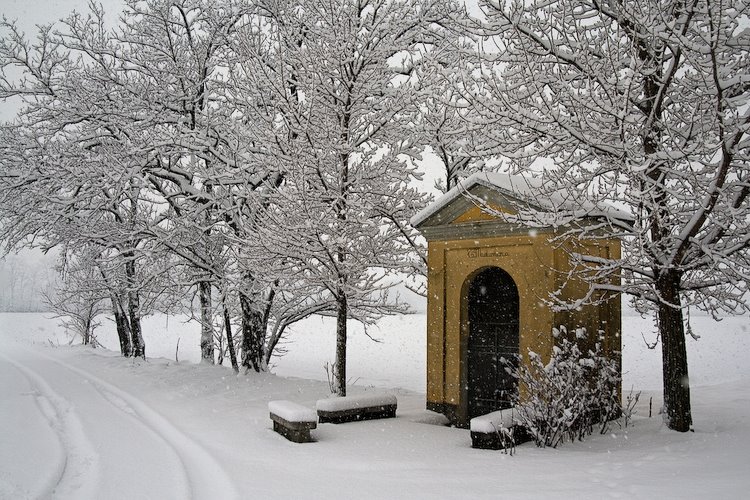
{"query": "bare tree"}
pixel 644 103
pixel 332 217
pixel 75 301
pixel 444 115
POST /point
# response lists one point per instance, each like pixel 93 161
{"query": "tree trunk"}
pixel 341 253
pixel 674 354
pixel 273 341
pixel 207 334
pixel 204 287
pixel 134 310
pixel 339 372
pixel 123 328
pixel 230 340
pixel 87 331
pixel 219 346
pixel 252 334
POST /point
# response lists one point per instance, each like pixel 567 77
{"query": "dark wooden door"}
pixel 493 339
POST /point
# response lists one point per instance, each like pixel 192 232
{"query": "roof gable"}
pixel 459 206
pixel 509 194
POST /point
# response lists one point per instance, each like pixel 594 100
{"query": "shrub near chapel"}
pixel 567 397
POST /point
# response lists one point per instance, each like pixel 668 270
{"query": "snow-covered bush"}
pixel 77 313
pixel 77 298
pixel 571 394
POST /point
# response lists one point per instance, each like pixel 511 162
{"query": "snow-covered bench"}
pixel 497 430
pixel 292 420
pixel 354 408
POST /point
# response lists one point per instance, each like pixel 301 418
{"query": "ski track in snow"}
pixel 79 469
pixel 198 476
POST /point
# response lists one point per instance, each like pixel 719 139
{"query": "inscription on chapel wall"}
pixel 474 253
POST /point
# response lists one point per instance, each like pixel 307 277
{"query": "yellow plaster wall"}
pixel 435 321
pixel 529 262
pixel 604 316
pixel 536 268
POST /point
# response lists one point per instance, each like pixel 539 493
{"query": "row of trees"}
pixel 257 154
pixel 250 155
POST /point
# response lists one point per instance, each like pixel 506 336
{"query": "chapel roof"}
pixel 515 193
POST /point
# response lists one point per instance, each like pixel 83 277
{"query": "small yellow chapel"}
pixel 491 273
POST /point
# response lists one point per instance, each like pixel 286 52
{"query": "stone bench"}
pixel 292 420
pixel 356 408
pixel 497 431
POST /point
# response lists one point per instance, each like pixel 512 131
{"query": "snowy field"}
pixel 77 423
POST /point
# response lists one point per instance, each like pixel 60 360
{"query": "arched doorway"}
pixel 493 337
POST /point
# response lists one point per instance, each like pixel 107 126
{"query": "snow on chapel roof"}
pixel 528 191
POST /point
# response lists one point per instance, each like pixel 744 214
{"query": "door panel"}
pixel 493 337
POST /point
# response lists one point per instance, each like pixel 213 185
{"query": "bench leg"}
pixel 294 435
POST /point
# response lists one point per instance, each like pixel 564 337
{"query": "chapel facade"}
pixel 491 277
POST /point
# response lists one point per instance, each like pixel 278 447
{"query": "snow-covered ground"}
pixel 82 423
